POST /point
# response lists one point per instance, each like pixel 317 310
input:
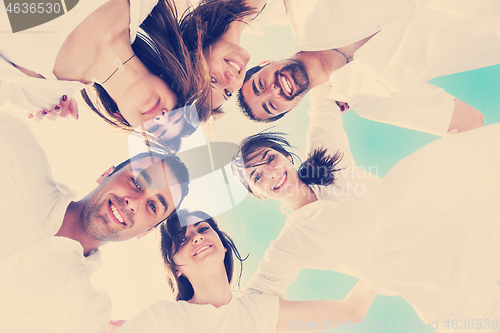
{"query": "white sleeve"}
pixel 326 129
pixel 29 94
pixel 281 265
pixel 274 13
pixel 397 97
pixel 424 107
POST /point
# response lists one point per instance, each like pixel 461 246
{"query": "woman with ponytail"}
pixel 427 232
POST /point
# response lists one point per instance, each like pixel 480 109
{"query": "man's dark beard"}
pixel 298 74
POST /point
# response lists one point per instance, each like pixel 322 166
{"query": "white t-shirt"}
pixel 44 280
pixel 37 48
pixel 244 314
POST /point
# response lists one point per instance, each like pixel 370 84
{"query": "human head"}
pixel 134 197
pixel 217 49
pixel 250 152
pixel 273 88
pixel 172 233
pixel 318 168
pixel 161 49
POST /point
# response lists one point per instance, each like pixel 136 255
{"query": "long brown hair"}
pixel 203 26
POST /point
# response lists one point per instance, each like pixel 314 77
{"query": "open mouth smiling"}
pixel 281 181
pixel 118 218
pixel 233 64
pixel 286 84
pixel 202 249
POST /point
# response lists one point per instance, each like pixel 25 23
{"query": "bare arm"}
pixel 324 314
pixel 465 117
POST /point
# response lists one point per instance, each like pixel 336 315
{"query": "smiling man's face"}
pixel 276 88
pixel 131 201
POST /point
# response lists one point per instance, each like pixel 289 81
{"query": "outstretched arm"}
pixel 325 314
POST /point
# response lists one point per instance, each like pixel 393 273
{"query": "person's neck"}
pixel 117 85
pixel 303 196
pixel 72 227
pixel 321 64
pixel 212 288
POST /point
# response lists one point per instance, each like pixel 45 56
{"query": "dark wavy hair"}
pixel 319 168
pixel 161 49
pixel 203 26
pixel 172 233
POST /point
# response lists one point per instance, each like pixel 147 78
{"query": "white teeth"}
pixel 234 65
pixel 280 182
pixel 116 214
pixel 203 248
pixel 286 85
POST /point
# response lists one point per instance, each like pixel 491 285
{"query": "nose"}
pixel 197 238
pixel 270 172
pixel 132 203
pixel 272 91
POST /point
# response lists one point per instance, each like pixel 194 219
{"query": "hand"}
pixel 65 108
pixel 114 325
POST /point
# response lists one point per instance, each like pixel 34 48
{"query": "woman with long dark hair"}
pixel 199 258
pixel 128 77
pixel 427 232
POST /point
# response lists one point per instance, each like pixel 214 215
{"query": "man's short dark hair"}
pixel 177 167
pixel 247 111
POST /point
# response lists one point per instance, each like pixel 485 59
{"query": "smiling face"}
pixel 131 201
pixel 227 62
pixel 146 99
pixel 276 88
pixel 201 248
pixel 271 174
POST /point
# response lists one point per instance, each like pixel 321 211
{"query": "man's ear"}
pixel 105 174
pixel 265 63
pixel 145 233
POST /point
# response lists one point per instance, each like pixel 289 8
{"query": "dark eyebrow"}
pixel 178 120
pixel 252 173
pixel 264 155
pixel 255 90
pixel 163 202
pixel 264 106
